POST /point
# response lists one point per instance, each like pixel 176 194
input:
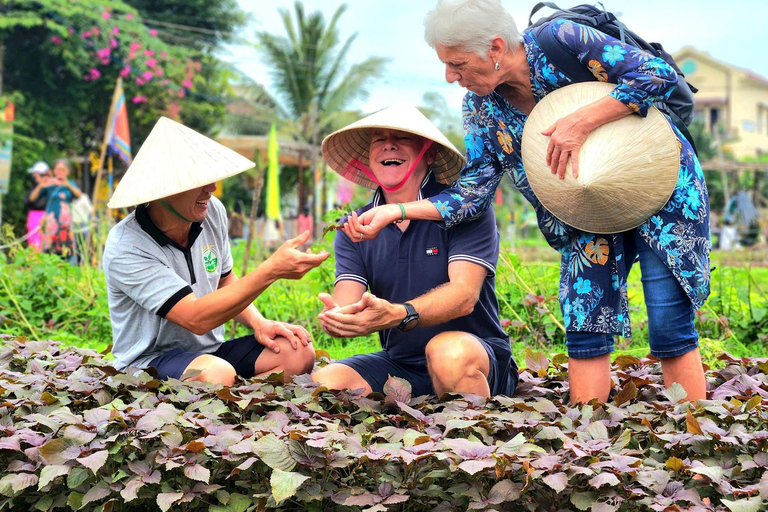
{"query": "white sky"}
pixel 735 32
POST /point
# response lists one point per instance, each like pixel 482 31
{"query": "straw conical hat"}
pixel 627 168
pixel 172 160
pixel 353 142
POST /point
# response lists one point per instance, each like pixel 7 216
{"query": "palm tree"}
pixel 308 68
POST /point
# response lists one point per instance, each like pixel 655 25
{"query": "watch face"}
pixel 410 324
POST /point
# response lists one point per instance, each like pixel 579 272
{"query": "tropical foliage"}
pixel 78 435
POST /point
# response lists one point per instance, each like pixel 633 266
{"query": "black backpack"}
pixel 679 105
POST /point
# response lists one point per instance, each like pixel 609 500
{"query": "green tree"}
pixel 311 78
pixel 62 60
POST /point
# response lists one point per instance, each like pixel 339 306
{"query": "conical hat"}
pixel 353 142
pixel 172 160
pixel 628 168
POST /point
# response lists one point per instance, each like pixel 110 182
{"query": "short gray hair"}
pixel 470 25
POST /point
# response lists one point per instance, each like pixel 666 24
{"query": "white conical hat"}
pixel 353 142
pixel 628 168
pixel 172 160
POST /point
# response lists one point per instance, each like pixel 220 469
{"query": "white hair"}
pixel 470 25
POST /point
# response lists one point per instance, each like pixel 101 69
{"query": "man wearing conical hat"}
pixel 169 274
pixel 428 292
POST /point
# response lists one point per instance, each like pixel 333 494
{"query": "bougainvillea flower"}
pixel 86 34
pixel 139 80
pixel 55 40
pixel 125 71
pixel 139 99
pixel 115 30
pixel 135 46
pixel 187 83
pixel 113 43
pixel 153 32
pixel 149 53
pixel 129 16
pixel 159 71
pixel 93 74
pixel 147 75
pixel 106 15
pixel 151 63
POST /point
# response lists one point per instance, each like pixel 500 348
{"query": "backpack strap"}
pixel 538 7
pixel 561 57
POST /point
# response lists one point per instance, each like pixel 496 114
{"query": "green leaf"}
pixel 714 473
pixel 77 477
pixel 583 500
pixel 285 484
pixel 75 500
pixel 50 472
pixel 44 503
pixel 274 452
pixel 675 393
pixel 754 504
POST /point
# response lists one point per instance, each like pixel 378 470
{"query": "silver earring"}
pixel 496 66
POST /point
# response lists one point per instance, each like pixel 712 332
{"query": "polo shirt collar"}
pixel 378 196
pixel 144 220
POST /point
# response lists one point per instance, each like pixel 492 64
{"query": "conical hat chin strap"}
pixel 360 166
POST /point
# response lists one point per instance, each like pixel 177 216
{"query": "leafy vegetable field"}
pixel 76 434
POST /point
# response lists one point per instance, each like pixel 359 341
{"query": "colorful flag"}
pixel 273 177
pixel 6 142
pixel 118 134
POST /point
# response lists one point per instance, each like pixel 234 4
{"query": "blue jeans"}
pixel 671 331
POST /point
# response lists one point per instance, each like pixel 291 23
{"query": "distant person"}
pixel 58 192
pixel 428 292
pixel 36 209
pixel 169 270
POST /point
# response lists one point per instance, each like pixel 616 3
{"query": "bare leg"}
pixel 341 376
pixel 589 378
pixel 212 369
pixel 457 362
pixel 687 371
pixel 289 360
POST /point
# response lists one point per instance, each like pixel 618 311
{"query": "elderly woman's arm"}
pixel 641 79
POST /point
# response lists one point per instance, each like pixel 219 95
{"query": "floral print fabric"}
pixel 593 278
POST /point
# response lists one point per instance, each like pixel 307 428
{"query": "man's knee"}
pixel 340 376
pixel 213 370
pixel 299 361
pixel 455 354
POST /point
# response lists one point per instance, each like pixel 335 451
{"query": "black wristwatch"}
pixel 411 319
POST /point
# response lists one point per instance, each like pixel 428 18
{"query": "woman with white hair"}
pixel 506 74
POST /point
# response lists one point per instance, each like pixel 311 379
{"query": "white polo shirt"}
pixel 147 274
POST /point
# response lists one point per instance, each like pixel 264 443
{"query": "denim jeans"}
pixel 671 330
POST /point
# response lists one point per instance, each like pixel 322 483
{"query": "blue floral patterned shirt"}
pixel 593 280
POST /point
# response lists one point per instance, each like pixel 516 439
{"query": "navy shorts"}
pixel 241 353
pixel 375 369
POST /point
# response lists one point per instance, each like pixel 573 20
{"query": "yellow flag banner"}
pixel 273 177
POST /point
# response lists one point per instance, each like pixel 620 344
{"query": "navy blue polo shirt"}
pixel 399 266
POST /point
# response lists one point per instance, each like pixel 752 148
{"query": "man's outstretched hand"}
pixel 370 314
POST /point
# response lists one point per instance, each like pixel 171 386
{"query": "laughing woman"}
pixel 506 74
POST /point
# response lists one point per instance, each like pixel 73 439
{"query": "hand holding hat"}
pixel 628 168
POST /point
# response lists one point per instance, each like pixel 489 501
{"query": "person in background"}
pixel 39 172
pixel 58 192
